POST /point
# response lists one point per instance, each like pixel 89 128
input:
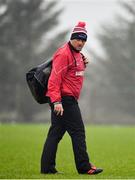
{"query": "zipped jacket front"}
pixel 67 74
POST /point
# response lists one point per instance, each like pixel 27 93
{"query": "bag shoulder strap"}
pixel 72 54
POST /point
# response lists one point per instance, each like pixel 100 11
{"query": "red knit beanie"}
pixel 79 32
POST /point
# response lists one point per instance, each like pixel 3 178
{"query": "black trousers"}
pixel 71 121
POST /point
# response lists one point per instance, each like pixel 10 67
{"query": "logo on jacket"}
pixel 79 73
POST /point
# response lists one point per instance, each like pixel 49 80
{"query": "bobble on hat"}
pixel 79 32
pixel 82 24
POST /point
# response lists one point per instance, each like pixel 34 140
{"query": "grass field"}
pixel 110 147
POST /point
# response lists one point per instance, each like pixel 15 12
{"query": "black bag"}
pixel 37 79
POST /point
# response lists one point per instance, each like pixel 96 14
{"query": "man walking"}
pixel 64 86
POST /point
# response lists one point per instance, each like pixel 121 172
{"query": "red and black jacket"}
pixel 67 74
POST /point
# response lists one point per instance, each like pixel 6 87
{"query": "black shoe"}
pixel 94 170
pixel 51 171
pixel 59 172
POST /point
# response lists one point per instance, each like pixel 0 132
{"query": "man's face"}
pixel 78 44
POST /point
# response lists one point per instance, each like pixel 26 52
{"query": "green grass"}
pixel 109 147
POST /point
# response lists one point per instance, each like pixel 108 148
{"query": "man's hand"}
pixel 85 59
pixel 58 108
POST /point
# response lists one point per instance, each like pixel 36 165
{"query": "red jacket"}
pixel 66 77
